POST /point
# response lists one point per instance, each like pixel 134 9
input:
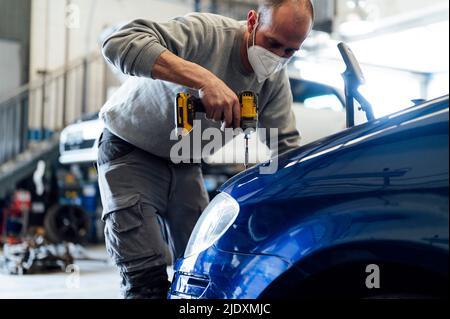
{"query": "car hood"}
pixel 252 185
pixel 365 183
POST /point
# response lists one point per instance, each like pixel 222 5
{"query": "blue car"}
pixel 363 213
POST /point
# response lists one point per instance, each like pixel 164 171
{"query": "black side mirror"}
pixel 353 78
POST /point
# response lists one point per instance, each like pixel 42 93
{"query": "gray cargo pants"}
pixel 143 196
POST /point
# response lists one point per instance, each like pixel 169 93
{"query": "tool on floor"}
pixel 188 105
pixel 37 255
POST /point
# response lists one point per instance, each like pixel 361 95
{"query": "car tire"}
pixel 66 223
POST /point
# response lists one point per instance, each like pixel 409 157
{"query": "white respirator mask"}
pixel 264 62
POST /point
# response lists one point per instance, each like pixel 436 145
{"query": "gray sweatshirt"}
pixel 142 110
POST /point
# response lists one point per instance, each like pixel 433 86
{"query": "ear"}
pixel 252 18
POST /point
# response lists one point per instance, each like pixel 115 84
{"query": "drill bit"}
pixel 247 136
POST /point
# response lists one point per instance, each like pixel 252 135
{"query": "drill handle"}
pixel 198 105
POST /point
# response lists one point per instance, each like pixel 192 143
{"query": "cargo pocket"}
pixel 126 235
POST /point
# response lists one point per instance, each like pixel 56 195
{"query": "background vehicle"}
pixel 319 109
pixel 79 141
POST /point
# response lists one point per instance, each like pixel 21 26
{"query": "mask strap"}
pixel 254 31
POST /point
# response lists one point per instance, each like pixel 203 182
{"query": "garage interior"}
pixel 54 80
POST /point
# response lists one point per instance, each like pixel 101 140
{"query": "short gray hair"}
pixel 267 6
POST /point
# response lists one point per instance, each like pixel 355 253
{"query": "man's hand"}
pixel 220 102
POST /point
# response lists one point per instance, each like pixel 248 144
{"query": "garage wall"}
pixel 15 28
pixel 81 23
pixel 49 19
pixel 10 66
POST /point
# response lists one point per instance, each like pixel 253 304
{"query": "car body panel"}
pixel 376 181
pixel 231 276
pixel 370 188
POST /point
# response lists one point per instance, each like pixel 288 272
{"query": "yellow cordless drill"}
pixel 188 105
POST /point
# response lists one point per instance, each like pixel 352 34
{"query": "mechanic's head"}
pixel 276 32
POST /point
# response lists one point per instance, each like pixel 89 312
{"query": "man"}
pixel 209 55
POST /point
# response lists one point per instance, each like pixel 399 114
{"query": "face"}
pixel 283 32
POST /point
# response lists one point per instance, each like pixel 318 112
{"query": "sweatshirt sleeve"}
pixel 278 113
pixel 135 47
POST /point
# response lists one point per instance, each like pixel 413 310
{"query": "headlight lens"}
pixel 213 223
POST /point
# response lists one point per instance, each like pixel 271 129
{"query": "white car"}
pixel 78 142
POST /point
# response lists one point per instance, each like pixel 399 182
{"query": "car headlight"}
pixel 213 223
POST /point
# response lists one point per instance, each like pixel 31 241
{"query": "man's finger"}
pixel 236 114
pixel 228 116
pixel 209 112
pixel 218 114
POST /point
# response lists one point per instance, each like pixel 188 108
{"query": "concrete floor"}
pixel 97 280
